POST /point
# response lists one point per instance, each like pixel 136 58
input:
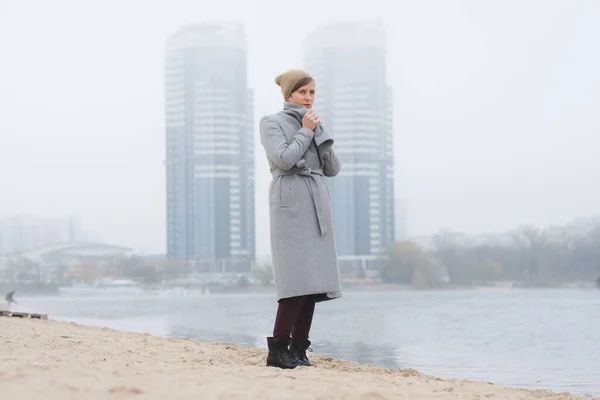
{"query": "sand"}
pixel 57 360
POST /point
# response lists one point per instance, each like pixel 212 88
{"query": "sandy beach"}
pixel 58 360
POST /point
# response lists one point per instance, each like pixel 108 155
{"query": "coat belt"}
pixel 315 187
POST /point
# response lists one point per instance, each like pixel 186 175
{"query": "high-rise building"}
pixel 348 62
pixel 22 233
pixel 209 148
pixel 401 218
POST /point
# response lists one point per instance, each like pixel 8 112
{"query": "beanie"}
pixel 289 79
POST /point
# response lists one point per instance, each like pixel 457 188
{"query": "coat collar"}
pixel 299 108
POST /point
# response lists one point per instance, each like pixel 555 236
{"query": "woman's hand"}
pixel 310 120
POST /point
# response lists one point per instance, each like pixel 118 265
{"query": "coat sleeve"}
pixel 331 163
pixel 324 142
pixel 284 155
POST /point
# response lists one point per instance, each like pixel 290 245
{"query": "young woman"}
pixel 300 155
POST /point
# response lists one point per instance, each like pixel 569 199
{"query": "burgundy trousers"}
pixel 294 318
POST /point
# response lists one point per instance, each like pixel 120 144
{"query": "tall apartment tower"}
pixel 348 62
pixel 209 148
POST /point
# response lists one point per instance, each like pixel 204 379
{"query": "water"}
pixel 526 338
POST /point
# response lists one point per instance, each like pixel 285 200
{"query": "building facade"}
pixel 348 62
pixel 209 148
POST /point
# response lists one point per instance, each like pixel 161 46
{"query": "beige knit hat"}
pixel 289 79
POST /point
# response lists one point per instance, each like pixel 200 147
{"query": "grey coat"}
pixel 302 241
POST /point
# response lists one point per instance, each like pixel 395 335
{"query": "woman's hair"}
pixel 300 83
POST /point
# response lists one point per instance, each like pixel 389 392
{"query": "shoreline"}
pixel 58 360
pixel 352 288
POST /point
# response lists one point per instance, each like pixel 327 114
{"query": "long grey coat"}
pixel 303 247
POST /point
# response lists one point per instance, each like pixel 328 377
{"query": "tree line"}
pixel 532 257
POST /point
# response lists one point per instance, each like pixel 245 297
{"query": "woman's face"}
pixel 304 96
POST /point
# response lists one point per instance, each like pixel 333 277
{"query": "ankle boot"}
pixel 279 354
pixel 299 348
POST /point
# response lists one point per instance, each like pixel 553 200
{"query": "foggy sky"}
pixel 496 107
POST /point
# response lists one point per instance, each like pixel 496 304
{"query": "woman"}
pixel 300 155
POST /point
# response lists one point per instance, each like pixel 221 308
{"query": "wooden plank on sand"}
pixel 22 315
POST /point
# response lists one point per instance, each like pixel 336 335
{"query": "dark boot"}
pixel 298 349
pixel 279 354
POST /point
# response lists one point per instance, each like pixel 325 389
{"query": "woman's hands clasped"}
pixel 310 120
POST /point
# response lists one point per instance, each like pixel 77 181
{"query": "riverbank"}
pixel 29 289
pixel 58 360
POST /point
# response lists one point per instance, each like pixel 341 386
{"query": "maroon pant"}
pixel 294 317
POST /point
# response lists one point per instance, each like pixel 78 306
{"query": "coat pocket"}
pixel 285 194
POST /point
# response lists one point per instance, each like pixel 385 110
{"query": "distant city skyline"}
pixel 493 127
pixel 23 232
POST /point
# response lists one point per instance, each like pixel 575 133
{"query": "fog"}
pixel 495 107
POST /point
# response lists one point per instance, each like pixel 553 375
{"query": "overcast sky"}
pixel 496 106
